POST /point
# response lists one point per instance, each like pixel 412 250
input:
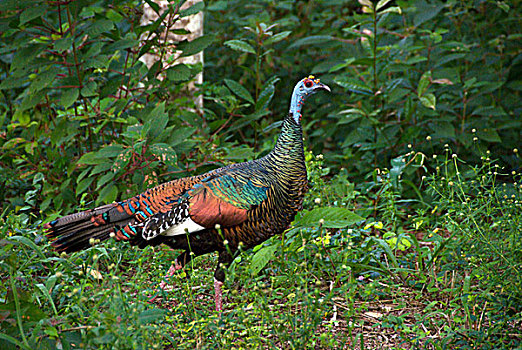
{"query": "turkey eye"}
pixel 308 84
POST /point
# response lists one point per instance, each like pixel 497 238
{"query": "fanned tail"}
pixel 74 232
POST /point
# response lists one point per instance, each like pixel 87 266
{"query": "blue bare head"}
pixel 306 87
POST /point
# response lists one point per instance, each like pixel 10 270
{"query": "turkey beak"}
pixel 322 86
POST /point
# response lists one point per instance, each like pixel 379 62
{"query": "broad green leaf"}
pixel 83 185
pixel 381 4
pixel 100 26
pixel 165 153
pixel 490 135
pixel 179 72
pixel 264 97
pixel 262 257
pixel 32 12
pixel 104 179
pixel 333 218
pixel 276 38
pixel 353 85
pixel 426 11
pixel 239 90
pixel 428 100
pixel 240 45
pixel 197 7
pixel 69 95
pixel 63 44
pixel 43 79
pixel 108 194
pixel 109 151
pixel 90 159
pixel 199 44
pixel 393 9
pixel 23 56
pixel 424 82
pixel 12 83
pixel 311 40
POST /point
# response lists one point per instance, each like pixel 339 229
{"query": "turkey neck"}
pixel 287 157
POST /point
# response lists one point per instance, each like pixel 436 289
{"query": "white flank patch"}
pixel 182 227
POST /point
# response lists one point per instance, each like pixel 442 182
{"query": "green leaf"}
pixel 43 79
pixel 311 40
pixel 276 38
pixel 104 179
pixel 353 85
pixel 151 315
pixel 108 194
pixel 393 9
pixel 197 7
pixel 425 11
pixel 239 90
pixel 109 151
pixel 428 100
pixel 381 4
pixel 24 56
pixel 264 97
pixel 90 159
pixel 424 82
pixel 262 257
pixel 63 44
pixel 32 12
pixel 333 218
pixel 240 45
pixel 69 95
pixel 46 294
pixel 165 153
pixel 490 135
pixel 199 44
pixel 100 26
pixel 83 185
pixel 179 72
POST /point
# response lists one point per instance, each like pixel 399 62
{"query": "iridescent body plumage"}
pixel 249 202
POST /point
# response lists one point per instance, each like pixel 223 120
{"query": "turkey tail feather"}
pixel 74 232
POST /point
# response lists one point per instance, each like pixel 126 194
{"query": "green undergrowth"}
pixel 441 276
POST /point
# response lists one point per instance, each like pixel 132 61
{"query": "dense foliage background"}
pixel 420 137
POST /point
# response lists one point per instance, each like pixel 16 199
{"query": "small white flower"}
pixel 320 156
pixel 473 130
pixel 454 155
pixel 91 241
pixel 428 138
pixel 475 138
pixel 321 222
pixel 350 231
pixel 112 235
pixel 317 201
pixel 225 242
pixel 218 226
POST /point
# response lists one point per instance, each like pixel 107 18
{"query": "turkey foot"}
pixel 218 296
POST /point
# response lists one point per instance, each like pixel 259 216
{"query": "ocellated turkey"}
pixel 244 203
